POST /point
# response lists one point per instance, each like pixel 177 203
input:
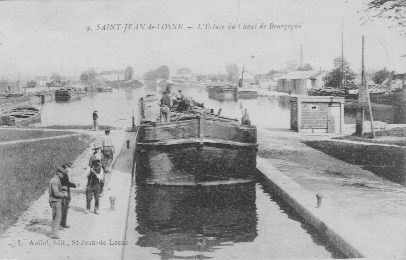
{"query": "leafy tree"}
pixel 272 72
pixel 55 77
pixel 305 67
pixel 334 77
pixel 232 72
pixel 200 77
pixel 392 11
pixel 160 73
pixel 90 74
pixel 128 73
pixel 380 76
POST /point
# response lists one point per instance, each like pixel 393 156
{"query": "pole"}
pixel 366 87
pixel 242 75
pixel 342 56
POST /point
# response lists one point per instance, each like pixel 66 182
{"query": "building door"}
pixel 333 118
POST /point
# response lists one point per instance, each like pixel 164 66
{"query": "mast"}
pixel 242 75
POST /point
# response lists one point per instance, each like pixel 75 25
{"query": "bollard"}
pixel 218 113
pixel 212 111
pixel 319 197
pixel 112 202
pixel 128 144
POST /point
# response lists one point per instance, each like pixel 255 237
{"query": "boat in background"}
pixel 223 91
pixel 20 116
pixel 68 94
pixel 197 147
pixel 247 93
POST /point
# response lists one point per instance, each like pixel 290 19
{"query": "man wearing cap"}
pixel 56 194
pixel 166 104
pixel 95 175
pixel 95 117
pixel 66 200
pixel 108 151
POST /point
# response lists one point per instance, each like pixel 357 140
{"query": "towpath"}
pixel 91 236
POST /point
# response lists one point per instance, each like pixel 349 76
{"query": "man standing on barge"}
pixel 166 104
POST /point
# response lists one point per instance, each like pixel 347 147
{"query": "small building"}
pixel 317 114
pixel 266 81
pixel 247 79
pixel 300 82
pixel 113 75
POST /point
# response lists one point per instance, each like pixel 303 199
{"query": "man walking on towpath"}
pixel 108 151
pixel 95 124
pixel 65 201
pixel 166 104
pixel 95 175
pixel 55 201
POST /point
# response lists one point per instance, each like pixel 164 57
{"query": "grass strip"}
pixel 26 169
pixel 12 135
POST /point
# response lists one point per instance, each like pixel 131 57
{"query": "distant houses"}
pixel 300 82
pixel 113 75
pixel 266 81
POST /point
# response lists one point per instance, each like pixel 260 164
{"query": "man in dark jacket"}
pixel 95 124
pixel 65 201
pixel 55 199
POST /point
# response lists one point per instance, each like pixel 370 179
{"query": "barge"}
pixel 67 94
pixel 195 147
pixel 20 116
pixel 224 91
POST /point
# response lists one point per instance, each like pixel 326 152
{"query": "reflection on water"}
pixel 197 219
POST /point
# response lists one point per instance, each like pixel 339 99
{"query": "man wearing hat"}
pixel 65 201
pixel 95 117
pixel 166 104
pixel 169 88
pixel 56 194
pixel 95 176
pixel 108 151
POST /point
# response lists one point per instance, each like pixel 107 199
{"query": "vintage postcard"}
pixel 232 129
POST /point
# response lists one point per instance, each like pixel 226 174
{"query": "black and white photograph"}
pixel 179 129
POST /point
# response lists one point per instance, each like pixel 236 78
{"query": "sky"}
pixel 41 37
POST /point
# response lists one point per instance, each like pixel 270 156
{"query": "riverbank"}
pixel 361 213
pixel 28 237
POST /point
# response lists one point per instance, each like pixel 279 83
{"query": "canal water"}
pixel 117 108
pixel 238 221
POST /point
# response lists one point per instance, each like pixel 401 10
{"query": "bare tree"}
pixel 393 11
